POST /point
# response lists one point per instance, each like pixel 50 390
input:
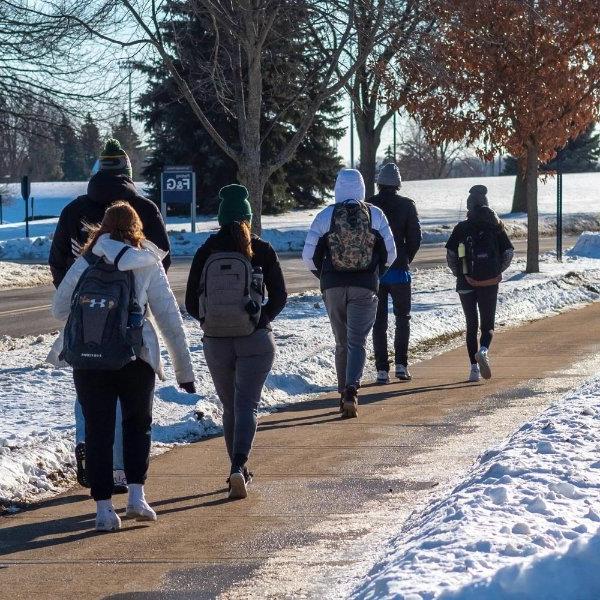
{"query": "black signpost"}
pixel 559 208
pixel 1 209
pixel 25 191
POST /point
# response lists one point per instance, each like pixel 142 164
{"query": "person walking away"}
pixel 115 353
pixel 113 181
pixel 403 218
pixel 478 252
pixel 225 292
pixel 348 247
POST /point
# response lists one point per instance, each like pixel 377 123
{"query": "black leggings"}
pixel 98 391
pixel 482 299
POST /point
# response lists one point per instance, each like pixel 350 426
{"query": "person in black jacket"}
pixel 402 216
pixel 478 296
pixel 112 182
pixel 239 366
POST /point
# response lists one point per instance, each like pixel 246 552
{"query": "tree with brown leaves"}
pixel 514 76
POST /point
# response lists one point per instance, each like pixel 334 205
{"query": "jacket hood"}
pixel 106 188
pixel 134 258
pixel 349 185
pixel 484 214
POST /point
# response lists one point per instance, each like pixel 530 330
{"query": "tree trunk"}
pixel 531 186
pixel 252 177
pixel 368 162
pixel 519 203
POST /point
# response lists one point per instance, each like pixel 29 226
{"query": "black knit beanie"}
pixel 477 197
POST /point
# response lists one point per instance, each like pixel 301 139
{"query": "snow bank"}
pixel 19 275
pixel 504 531
pixel 587 245
pixel 37 400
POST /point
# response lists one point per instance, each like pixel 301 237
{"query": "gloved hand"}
pixel 189 387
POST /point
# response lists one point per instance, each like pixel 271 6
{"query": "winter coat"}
pixel 264 256
pixel 403 218
pixel 103 189
pixel 152 289
pixel 481 217
pixel 316 255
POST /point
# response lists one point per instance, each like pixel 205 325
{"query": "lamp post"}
pixel 128 65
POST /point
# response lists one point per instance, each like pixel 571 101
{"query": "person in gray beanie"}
pixel 401 213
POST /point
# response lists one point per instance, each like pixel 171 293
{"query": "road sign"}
pixel 178 186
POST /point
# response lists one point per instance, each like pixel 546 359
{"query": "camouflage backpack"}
pixel 351 241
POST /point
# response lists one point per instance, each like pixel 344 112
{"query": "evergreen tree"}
pixel 91 144
pixel 130 142
pixel 580 155
pixel 72 162
pixel 178 138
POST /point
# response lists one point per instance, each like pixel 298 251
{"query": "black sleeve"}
pixel 413 232
pixel 275 284
pixel 319 256
pixel 454 240
pixel 504 241
pixel 60 251
pixel 156 232
pixel 192 296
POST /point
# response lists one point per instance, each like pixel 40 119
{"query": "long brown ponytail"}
pixel 242 236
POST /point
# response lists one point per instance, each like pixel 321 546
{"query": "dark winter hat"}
pixel 234 204
pixel 114 159
pixel 389 175
pixel 477 197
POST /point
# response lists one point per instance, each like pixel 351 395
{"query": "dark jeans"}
pixel 98 391
pixel 401 301
pixel 481 300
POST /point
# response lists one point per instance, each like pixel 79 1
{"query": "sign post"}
pixel 178 186
pixel 559 208
pixel 1 209
pixel 25 191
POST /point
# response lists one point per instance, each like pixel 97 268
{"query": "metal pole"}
pixel 351 134
pixel 193 203
pixel 26 217
pixel 130 92
pixel 0 209
pixel 559 208
pixel 394 125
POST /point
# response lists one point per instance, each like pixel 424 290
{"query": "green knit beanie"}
pixel 234 205
pixel 114 159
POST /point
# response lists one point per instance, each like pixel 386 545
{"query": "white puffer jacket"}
pixel 152 289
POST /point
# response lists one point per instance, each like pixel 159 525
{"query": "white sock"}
pixel 136 494
pixel 483 349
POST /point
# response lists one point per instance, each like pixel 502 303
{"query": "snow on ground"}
pixel 441 203
pixel 523 524
pixel 36 414
pixel 18 275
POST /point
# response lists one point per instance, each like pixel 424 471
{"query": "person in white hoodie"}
pixel 120 240
pixel 348 246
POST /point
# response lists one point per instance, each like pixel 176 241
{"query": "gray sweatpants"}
pixel 239 367
pixel 352 313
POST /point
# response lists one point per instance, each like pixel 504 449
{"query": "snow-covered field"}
pixel 523 524
pixel 15 275
pixel 441 203
pixel 36 418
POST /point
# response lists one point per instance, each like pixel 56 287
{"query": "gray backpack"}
pixel 230 301
pixel 99 333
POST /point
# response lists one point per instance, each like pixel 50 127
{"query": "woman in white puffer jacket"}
pixel 133 384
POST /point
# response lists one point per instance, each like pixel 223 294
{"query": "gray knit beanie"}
pixel 389 175
pixel 477 197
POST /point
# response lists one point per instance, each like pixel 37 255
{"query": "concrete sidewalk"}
pixel 325 489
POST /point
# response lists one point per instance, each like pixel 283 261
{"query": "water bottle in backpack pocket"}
pixel 231 295
pixel 98 333
pixel 482 255
pixel 351 240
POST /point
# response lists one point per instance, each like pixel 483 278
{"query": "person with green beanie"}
pixel 114 159
pixel 239 346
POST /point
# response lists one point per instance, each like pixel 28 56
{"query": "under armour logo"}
pixel 100 303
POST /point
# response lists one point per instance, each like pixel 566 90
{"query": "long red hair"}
pixel 121 222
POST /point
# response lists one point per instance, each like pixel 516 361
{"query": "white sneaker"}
pixel 140 511
pixel 237 486
pixel 403 373
pixel 474 375
pixel 484 363
pixel 383 377
pixel 106 517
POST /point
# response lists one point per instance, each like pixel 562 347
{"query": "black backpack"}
pixel 99 333
pixel 482 250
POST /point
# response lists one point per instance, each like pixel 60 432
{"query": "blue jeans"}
pixel 118 463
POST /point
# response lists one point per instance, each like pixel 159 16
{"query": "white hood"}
pixel 135 258
pixel 349 185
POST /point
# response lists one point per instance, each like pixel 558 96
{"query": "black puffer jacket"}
pixel 403 218
pixel 264 256
pixel 103 189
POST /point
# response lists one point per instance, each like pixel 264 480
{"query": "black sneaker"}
pixel 248 475
pixel 82 479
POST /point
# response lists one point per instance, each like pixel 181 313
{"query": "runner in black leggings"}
pixel 478 297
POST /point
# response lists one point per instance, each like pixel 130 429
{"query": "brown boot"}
pixel 350 403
